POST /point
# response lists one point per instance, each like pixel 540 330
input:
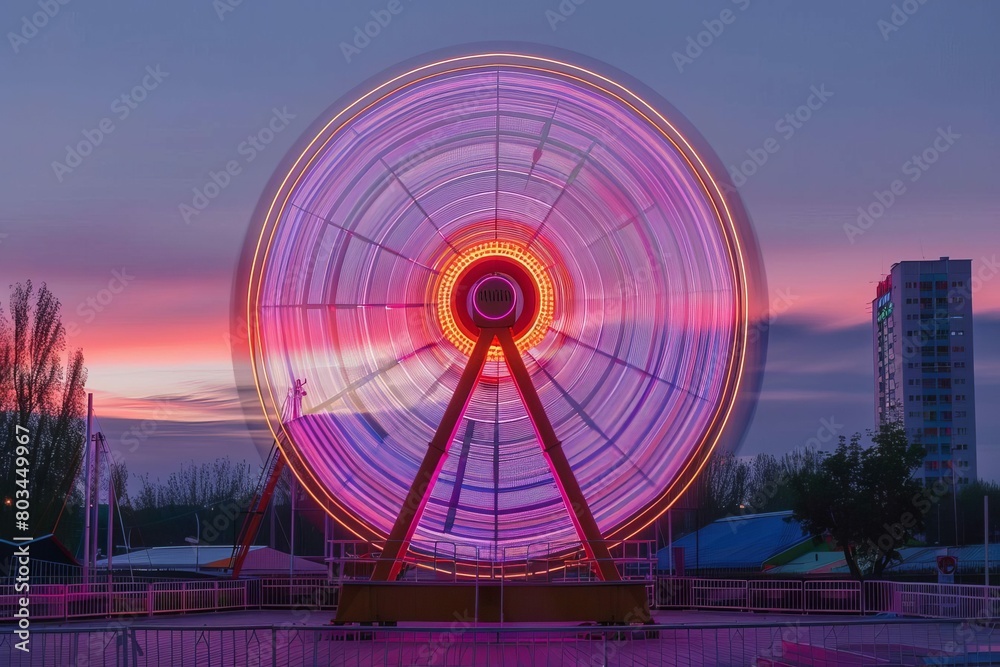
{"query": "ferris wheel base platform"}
pixel 611 602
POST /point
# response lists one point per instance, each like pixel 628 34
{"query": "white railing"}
pixel 942 601
pixel 775 595
pixel 935 600
pixel 829 597
pixel 842 642
pixel 539 561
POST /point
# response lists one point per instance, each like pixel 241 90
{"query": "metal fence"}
pixel 911 642
pixel 124 599
pixel 946 601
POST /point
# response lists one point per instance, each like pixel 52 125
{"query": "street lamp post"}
pixel 196 541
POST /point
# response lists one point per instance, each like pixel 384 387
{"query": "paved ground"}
pixel 694 638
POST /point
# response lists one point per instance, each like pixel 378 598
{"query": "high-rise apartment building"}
pixel 922 332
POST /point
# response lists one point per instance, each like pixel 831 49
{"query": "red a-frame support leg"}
pixel 389 564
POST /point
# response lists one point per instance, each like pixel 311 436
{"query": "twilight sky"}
pixel 147 295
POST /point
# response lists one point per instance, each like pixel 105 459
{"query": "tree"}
pixel 725 487
pixel 865 498
pixel 199 485
pixel 967 508
pixel 44 393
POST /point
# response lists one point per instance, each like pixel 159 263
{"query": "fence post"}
pixel 150 605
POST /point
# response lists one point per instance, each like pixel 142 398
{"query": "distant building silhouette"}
pixel 922 334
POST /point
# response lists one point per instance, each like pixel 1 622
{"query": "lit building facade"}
pixel 922 334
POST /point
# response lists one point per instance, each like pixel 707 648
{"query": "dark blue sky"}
pixel 159 340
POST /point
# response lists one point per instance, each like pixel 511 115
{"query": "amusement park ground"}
pixel 677 638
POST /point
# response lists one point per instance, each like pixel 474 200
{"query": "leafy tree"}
pixel 163 512
pixel 41 389
pixel 865 498
pixel 198 485
pixel 738 486
pixel 724 487
pixel 967 508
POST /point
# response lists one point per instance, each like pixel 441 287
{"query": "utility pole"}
pixel 291 540
pixel 111 508
pixel 986 540
pixel 86 493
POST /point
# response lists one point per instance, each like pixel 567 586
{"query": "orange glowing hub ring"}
pixel 517 262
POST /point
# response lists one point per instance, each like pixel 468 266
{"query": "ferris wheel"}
pixel 522 295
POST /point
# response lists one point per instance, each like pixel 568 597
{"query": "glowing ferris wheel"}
pixel 521 296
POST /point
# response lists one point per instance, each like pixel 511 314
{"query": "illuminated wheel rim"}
pixel 638 275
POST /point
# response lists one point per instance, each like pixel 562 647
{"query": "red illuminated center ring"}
pixel 522 272
pixel 494 301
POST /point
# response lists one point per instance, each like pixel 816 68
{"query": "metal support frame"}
pixel 255 513
pixel 391 561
